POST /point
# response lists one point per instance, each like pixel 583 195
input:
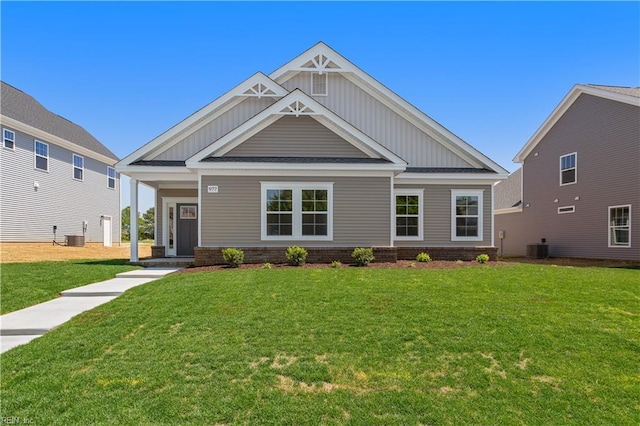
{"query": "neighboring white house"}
pixel 317 154
pixel 53 174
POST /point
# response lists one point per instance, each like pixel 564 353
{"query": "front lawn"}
pixel 26 284
pixel 517 344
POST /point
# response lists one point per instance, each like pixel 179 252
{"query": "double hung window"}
pixel 620 226
pixel 466 217
pixel 568 169
pixel 41 155
pixel 408 214
pixel 78 167
pixel 297 211
pixel 9 139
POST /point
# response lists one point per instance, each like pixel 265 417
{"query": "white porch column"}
pixel 133 228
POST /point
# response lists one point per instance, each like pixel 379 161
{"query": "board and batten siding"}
pixel 193 142
pixel 605 134
pixel 436 204
pixel 232 217
pixel 159 208
pixel 29 213
pixel 379 122
pixel 292 136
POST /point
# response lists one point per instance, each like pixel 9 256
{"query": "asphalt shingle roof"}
pixel 447 170
pixel 631 91
pixel 345 160
pixel 24 108
pixel 508 193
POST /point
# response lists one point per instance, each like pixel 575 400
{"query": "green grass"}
pixel 520 344
pixel 26 284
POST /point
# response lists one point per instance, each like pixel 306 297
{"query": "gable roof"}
pixel 23 108
pixel 322 58
pixel 628 95
pixel 258 85
pixel 295 103
pixel 508 192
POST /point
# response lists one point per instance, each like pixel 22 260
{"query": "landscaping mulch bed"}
pixel 438 264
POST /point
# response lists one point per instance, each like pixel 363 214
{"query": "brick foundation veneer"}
pixel 157 251
pixel 205 256
pixel 447 253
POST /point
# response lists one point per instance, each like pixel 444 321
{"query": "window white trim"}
pixel 566 209
pixel 296 188
pixel 11 139
pixel 36 155
pixel 610 227
pixel 574 168
pixel 318 75
pixel 473 193
pixel 410 192
pixel 74 167
pixel 109 178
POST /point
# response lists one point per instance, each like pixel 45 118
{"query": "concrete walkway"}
pixel 20 327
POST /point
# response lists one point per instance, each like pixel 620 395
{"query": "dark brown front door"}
pixel 187 232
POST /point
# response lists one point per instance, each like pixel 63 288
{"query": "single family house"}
pixel 55 178
pixel 317 154
pixel 579 185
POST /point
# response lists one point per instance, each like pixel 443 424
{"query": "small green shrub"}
pixel 234 257
pixel 362 256
pixel 412 264
pixel 423 257
pixel 296 255
pixel 482 258
pixel 459 262
pixel 266 265
pixel 336 264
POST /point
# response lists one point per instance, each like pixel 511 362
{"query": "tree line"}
pixel 146 224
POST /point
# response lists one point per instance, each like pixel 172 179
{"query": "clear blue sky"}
pixel 489 72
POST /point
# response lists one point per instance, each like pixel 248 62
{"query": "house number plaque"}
pixel 212 189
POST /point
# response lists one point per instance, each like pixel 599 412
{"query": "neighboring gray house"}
pixel 579 185
pixel 53 173
pixel 316 154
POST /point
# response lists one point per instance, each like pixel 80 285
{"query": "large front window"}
pixel 466 217
pixel 620 226
pixel 297 211
pixel 408 214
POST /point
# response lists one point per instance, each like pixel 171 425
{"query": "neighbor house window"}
pixel 9 139
pixel 408 214
pixel 466 215
pixel 78 167
pixel 620 226
pixel 111 178
pixel 41 153
pixel 319 84
pixel 568 169
pixel 301 211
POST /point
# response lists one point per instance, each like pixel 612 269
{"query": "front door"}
pixel 187 229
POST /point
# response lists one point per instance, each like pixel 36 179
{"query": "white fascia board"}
pixel 562 107
pixel 272 113
pixel 297 166
pixel 448 178
pixel 508 210
pixel 205 115
pixel 56 140
pixel 296 172
pixel 389 99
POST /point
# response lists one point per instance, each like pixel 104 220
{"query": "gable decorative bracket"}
pixel 260 90
pixel 321 63
pixel 297 108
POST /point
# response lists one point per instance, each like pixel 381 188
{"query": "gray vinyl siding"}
pixel 292 136
pixel 605 134
pixel 437 216
pixel 192 142
pixel 232 217
pixel 28 215
pixel 379 122
pixel 159 208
